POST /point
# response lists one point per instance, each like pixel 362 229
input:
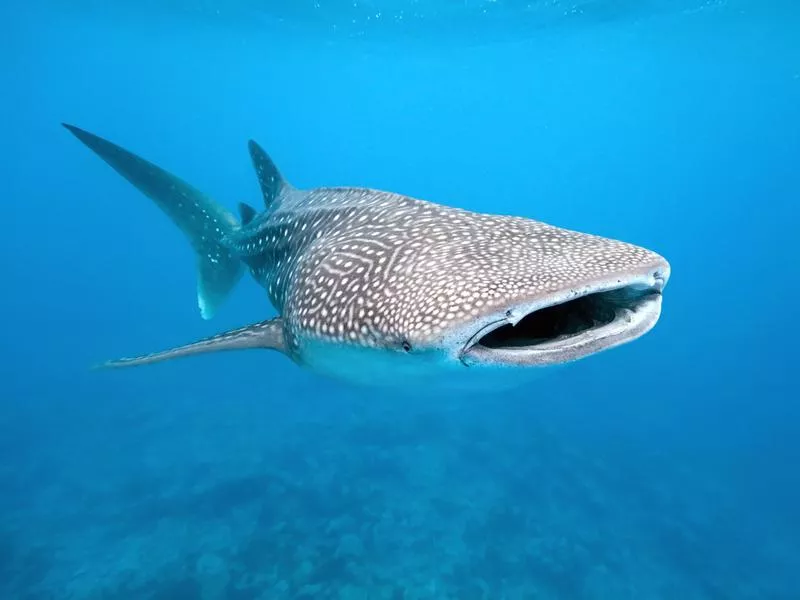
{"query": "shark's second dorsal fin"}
pixel 247 213
pixel 269 178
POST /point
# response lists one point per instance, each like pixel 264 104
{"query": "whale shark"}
pixel 378 288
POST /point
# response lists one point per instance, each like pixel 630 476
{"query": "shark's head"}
pixel 536 295
pixel 483 291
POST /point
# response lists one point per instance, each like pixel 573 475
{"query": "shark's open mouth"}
pixel 568 330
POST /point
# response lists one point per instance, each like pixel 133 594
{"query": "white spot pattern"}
pixel 378 269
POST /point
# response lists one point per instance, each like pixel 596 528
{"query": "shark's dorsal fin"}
pixel 247 213
pixel 265 334
pixel 269 178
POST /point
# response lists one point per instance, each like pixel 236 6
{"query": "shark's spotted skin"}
pixel 365 277
pixel 379 269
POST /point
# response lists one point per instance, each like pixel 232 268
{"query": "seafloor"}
pixel 312 495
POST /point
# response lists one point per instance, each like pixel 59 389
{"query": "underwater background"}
pixel 663 469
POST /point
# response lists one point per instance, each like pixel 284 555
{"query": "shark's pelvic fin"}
pixel 272 183
pixel 265 334
pixel 204 222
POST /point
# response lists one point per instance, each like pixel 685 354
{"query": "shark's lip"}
pixel 627 308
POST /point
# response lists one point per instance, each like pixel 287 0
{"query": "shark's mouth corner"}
pixel 568 330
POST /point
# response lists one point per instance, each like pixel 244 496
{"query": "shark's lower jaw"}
pixel 565 331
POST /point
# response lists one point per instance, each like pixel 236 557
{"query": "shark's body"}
pixel 378 288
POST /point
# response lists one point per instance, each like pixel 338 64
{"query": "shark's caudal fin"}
pixel 265 334
pixel 204 222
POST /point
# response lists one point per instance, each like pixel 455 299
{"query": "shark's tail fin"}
pixel 202 220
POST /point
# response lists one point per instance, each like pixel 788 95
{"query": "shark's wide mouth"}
pixel 568 330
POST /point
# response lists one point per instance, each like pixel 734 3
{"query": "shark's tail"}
pixel 201 219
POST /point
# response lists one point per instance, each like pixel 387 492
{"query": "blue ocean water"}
pixel 664 469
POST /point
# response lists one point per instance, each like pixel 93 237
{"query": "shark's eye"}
pixel 406 346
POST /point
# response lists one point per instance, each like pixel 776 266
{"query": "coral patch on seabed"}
pixel 373 500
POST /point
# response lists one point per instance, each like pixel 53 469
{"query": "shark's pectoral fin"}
pixel 265 335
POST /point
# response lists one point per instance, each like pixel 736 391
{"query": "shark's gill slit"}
pixel 567 319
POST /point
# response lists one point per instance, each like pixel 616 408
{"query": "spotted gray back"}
pixel 382 270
